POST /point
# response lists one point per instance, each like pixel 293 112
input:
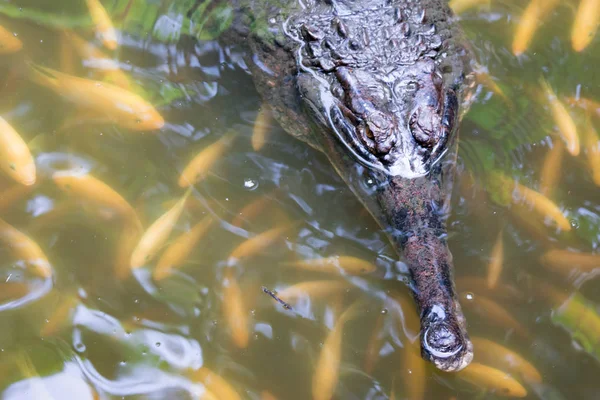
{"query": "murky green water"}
pixel 95 328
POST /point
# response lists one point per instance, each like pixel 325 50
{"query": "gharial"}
pixel 379 86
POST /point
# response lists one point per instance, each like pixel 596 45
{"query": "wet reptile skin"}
pixel 379 86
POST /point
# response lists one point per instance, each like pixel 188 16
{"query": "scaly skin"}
pixel 379 86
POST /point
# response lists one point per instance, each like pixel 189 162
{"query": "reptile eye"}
pixel 409 86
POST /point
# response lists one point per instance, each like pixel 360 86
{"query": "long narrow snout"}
pixel 413 212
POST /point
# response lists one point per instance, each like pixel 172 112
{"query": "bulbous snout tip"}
pixel 446 346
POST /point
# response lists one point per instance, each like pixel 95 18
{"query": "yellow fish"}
pixel 530 20
pixel 62 311
pixel 25 249
pixel 313 289
pixel 252 209
pixel 495 355
pixel 494 313
pixel 565 261
pixel 326 375
pixel 552 168
pixel 540 203
pixel 335 265
pixel 499 382
pixel 12 195
pixel 120 106
pixel 586 24
pixel 262 124
pixel 180 249
pixel 198 168
pixel 104 27
pixel 214 383
pixel 589 105
pixel 95 58
pixel 258 243
pixel 91 189
pixel 235 311
pixel 9 43
pixel 496 261
pixel 15 158
pixel 157 234
pixel 562 118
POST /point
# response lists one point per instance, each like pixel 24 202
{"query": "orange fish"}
pixel 530 20
pixel 589 105
pixel 567 261
pixel 414 371
pixel 120 106
pixel 540 203
pixel 487 80
pixel 312 289
pixel 92 190
pixel 496 355
pixel 25 249
pixel 15 158
pixel 62 311
pixel 253 209
pixel 494 313
pixel 498 382
pixel 9 43
pixel 562 118
pixel 200 165
pixel 258 243
pixel 586 24
pixel 262 124
pixel 335 265
pixel 214 383
pixel 235 311
pixel 496 261
pixel 325 377
pixel 181 248
pixel 374 345
pixel 157 234
pixel 104 28
pixel 95 58
pixel 551 168
pixel 12 195
pixel 592 151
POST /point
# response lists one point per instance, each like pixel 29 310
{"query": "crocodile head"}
pixel 388 125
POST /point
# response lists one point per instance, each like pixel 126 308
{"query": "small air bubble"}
pixel 250 184
pixel 384 311
pixel 469 296
pixel 15 34
pixel 253 312
pixel 157 344
pixel 574 224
